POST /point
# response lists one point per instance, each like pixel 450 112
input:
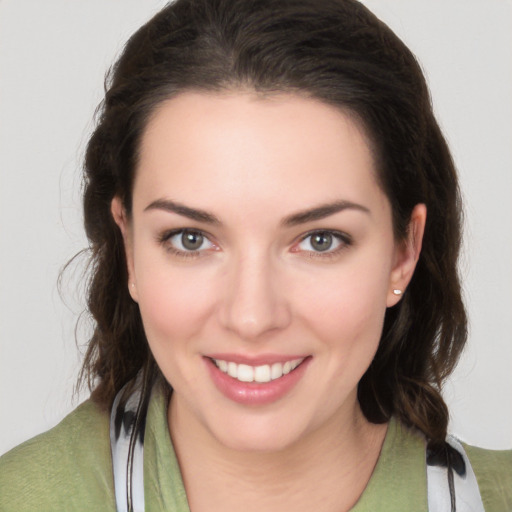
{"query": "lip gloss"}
pixel 255 393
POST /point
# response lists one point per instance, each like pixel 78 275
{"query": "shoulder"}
pixel 62 469
pixel 493 470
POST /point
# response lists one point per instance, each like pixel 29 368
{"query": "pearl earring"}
pixel 397 291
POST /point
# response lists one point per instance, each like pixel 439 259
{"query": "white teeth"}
pixel 232 370
pixel 277 371
pixel 263 373
pixel 245 373
pixel 296 363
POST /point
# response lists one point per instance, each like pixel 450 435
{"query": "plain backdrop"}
pixel 53 56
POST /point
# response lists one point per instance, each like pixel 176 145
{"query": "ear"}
pixel 121 219
pixel 407 255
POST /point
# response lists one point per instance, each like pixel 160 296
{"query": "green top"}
pixel 69 468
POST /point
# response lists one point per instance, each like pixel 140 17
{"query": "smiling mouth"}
pixel 261 374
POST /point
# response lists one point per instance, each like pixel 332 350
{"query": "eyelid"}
pixel 344 239
pixel 165 237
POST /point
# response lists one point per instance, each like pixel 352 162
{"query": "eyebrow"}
pixel 309 215
pixel 322 211
pixel 185 211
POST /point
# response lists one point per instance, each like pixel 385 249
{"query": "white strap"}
pixel 127 446
pixel 127 451
pixel 466 491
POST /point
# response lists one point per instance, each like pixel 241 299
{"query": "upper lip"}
pixel 256 360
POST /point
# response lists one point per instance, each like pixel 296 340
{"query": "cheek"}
pixel 174 302
pixel 347 306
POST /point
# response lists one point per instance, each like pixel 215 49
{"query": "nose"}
pixel 254 303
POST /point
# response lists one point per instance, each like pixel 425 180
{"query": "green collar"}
pixel 401 465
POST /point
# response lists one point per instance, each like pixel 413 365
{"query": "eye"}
pixel 319 242
pixel 186 242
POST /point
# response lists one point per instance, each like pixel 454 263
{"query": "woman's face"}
pixel 261 253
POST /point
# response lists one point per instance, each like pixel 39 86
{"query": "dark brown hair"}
pixel 340 53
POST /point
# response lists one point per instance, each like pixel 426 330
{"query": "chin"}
pixel 257 434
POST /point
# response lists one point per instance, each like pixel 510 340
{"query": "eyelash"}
pixel 164 239
pixel 343 239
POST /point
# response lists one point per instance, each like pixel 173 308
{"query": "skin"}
pixel 257 286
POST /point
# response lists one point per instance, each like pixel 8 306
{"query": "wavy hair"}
pixel 338 52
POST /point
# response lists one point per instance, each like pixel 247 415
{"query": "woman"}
pixel 275 223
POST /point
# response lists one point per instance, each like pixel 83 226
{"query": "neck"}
pixel 327 470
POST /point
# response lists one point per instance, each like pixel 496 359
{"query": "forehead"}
pixel 200 146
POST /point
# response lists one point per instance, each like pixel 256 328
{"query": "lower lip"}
pixel 255 393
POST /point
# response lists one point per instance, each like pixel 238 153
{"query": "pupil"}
pixel 191 240
pixel 321 241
